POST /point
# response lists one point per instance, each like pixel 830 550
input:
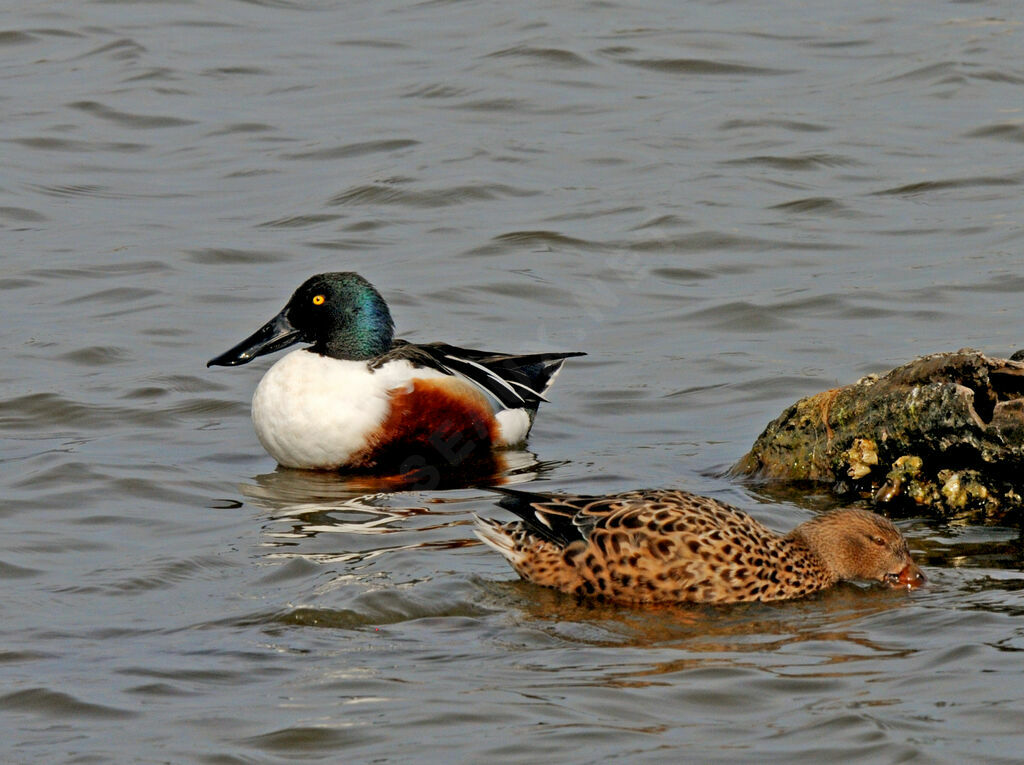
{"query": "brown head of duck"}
pixel 675 547
pixel 859 545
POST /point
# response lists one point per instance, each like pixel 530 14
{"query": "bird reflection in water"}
pixel 307 509
pixel 806 638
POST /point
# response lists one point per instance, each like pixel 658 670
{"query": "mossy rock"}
pixel 943 434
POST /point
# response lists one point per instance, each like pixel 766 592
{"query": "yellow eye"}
pixel 318 299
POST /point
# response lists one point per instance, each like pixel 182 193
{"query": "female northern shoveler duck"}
pixel 673 547
pixel 358 398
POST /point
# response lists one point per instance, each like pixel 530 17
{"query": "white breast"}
pixel 315 412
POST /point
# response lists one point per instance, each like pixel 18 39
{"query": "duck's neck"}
pixel 815 541
pixel 356 346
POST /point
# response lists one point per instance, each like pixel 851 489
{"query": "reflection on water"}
pixel 713 629
pixel 284 487
pixel 305 504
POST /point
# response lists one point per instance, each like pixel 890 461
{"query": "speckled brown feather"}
pixel 672 547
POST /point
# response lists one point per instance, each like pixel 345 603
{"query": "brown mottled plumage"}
pixel 674 547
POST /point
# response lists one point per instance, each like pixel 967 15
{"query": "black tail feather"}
pixel 531 373
pixel 545 515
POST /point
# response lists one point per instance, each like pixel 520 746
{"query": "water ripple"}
pixel 807 162
pixel 353 149
pixel 10 571
pixel 301 221
pixel 126 119
pixel 35 411
pixel 12 37
pixel 1006 131
pixel 113 296
pixel 60 705
pixel 924 187
pixel 326 739
pixel 224 256
pixel 452 195
pixel 21 215
pixel 692 66
pixel 96 356
pixel 122 50
pixel 543 56
pixel 49 143
pixel 768 122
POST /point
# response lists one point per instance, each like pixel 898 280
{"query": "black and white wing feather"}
pixel 514 381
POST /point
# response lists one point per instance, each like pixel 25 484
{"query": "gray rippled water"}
pixel 727 205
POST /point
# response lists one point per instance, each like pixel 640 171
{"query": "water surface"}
pixel 726 207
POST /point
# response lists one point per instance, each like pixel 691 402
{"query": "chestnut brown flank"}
pixel 440 422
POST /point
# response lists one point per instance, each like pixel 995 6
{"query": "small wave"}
pixel 327 739
pixel 925 187
pixel 48 143
pixel 818 205
pixel 21 215
pixel 300 221
pixel 12 37
pixel 353 149
pixel 694 66
pixel 715 241
pixel 805 162
pixel 543 56
pixel 59 705
pixel 224 256
pixel 96 356
pixel 392 195
pixel 436 90
pixel 1005 131
pixel 793 125
pixel 126 119
pixel 114 296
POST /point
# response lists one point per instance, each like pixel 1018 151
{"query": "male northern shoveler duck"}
pixel 674 547
pixel 359 399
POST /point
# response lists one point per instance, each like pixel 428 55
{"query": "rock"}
pixel 943 434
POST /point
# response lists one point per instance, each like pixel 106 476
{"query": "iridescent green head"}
pixel 343 315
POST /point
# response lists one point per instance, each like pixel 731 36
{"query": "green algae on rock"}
pixel 944 433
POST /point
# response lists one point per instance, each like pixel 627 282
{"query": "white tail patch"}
pixel 494 535
pixel 515 426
